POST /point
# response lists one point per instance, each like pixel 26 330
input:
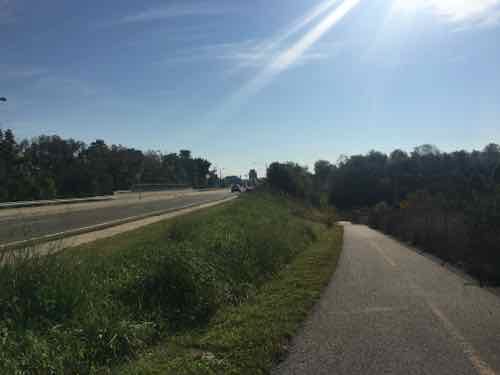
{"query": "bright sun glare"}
pixel 455 10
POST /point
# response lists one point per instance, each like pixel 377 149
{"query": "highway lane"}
pixel 24 224
pixel 390 310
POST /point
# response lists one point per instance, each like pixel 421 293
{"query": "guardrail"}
pixel 211 188
pixel 158 187
pixel 40 203
pixel 53 202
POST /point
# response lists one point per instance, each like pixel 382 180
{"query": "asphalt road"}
pixel 23 224
pixel 390 310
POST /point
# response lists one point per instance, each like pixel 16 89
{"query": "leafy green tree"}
pixel 323 171
pixel 252 177
pixel 49 166
pixel 290 178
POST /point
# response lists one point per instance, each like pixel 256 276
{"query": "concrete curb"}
pixel 97 227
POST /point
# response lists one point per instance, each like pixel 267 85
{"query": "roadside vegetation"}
pixel 249 338
pixel 48 167
pixel 446 203
pixel 218 291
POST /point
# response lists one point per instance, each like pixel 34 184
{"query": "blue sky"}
pixel 244 83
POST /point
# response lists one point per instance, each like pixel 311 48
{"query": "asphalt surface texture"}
pixel 22 224
pixel 390 310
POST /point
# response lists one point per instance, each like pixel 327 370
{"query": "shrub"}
pixel 466 237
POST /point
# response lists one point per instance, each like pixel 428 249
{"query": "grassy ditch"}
pixel 181 284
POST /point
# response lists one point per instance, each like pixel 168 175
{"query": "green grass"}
pixel 181 289
pixel 251 337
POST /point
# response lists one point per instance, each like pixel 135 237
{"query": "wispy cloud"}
pixel 174 10
pixel 46 83
pixel 259 54
pixel 275 53
pixel 289 56
pixel 285 56
pixel 477 12
pixel 17 72
pixel 492 19
pixel 65 86
pixel 299 25
pixel 247 54
pixel 296 51
pixel 253 56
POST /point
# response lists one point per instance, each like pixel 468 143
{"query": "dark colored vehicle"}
pixel 236 188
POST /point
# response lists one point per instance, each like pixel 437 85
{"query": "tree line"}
pixel 446 202
pixel 49 167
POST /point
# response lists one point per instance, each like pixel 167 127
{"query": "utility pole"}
pixel 3 99
pixel 138 178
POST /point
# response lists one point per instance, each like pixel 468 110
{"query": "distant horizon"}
pixel 260 171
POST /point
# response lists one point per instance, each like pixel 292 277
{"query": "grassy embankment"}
pixel 218 291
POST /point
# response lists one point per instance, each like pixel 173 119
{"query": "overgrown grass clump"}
pixel 86 310
pixel 251 337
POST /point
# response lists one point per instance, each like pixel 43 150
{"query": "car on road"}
pixel 236 188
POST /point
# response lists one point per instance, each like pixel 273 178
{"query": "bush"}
pixel 173 285
pixel 37 292
pixel 290 178
pixel 465 237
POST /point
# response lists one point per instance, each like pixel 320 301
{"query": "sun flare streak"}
pixel 263 50
pixel 283 58
pixel 288 57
